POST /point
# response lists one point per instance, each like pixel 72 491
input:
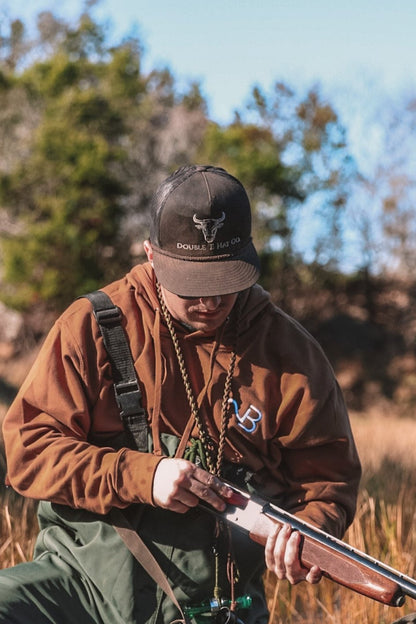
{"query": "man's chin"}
pixel 207 325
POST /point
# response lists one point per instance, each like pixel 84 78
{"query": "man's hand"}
pixel 282 557
pixel 179 485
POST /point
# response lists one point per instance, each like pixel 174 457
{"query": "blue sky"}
pixel 357 47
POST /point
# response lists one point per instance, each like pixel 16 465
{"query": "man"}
pixel 232 387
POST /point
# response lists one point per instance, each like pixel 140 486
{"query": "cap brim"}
pixel 206 278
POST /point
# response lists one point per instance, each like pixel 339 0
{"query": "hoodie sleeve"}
pixel 321 466
pixel 302 451
pixel 56 431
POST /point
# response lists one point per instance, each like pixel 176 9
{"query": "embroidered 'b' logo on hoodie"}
pixel 248 421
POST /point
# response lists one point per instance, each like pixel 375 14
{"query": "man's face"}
pixel 205 314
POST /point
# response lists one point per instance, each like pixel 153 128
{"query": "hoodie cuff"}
pixel 136 474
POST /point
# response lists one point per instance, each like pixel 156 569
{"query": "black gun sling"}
pixel 126 385
pixel 133 415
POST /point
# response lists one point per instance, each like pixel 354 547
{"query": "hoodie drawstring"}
pixel 157 399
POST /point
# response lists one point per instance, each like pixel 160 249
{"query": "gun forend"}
pixel 338 561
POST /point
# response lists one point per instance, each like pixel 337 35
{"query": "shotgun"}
pixel 338 561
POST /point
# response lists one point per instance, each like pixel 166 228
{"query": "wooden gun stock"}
pixel 338 561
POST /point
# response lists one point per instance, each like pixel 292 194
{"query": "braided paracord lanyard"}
pixel 206 441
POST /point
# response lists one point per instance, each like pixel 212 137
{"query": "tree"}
pixel 65 193
pixel 381 208
pixel 291 153
pixel 398 185
pixel 253 155
pixel 94 152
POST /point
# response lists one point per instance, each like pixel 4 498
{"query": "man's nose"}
pixel 211 303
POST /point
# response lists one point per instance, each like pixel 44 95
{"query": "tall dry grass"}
pixel 384 527
pixel 18 528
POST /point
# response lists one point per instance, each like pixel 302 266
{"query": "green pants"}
pixel 83 573
pixel 45 591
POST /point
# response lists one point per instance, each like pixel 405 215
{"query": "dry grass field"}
pixel 384 527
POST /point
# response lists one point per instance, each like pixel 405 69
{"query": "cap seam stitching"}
pixel 207 187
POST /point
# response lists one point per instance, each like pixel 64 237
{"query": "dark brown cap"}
pixel 201 233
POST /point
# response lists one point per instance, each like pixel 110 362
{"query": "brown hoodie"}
pixel 289 424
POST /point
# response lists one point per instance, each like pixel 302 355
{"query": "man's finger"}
pixel 212 482
pixel 209 488
pixel 314 575
pixel 275 550
pixel 295 572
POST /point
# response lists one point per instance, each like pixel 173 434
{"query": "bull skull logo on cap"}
pixel 209 227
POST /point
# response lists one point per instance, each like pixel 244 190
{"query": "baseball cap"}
pixel 201 233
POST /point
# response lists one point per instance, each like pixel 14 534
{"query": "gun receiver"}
pixel 338 561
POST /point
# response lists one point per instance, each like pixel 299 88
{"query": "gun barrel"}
pixel 406 585
pixel 338 560
pixel 346 565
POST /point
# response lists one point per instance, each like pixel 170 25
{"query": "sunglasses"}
pixel 202 296
pixel 190 298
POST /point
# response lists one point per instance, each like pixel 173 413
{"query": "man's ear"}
pixel 147 245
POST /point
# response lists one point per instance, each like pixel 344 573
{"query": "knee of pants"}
pixel 12 585
pixel 40 592
pixel 14 600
